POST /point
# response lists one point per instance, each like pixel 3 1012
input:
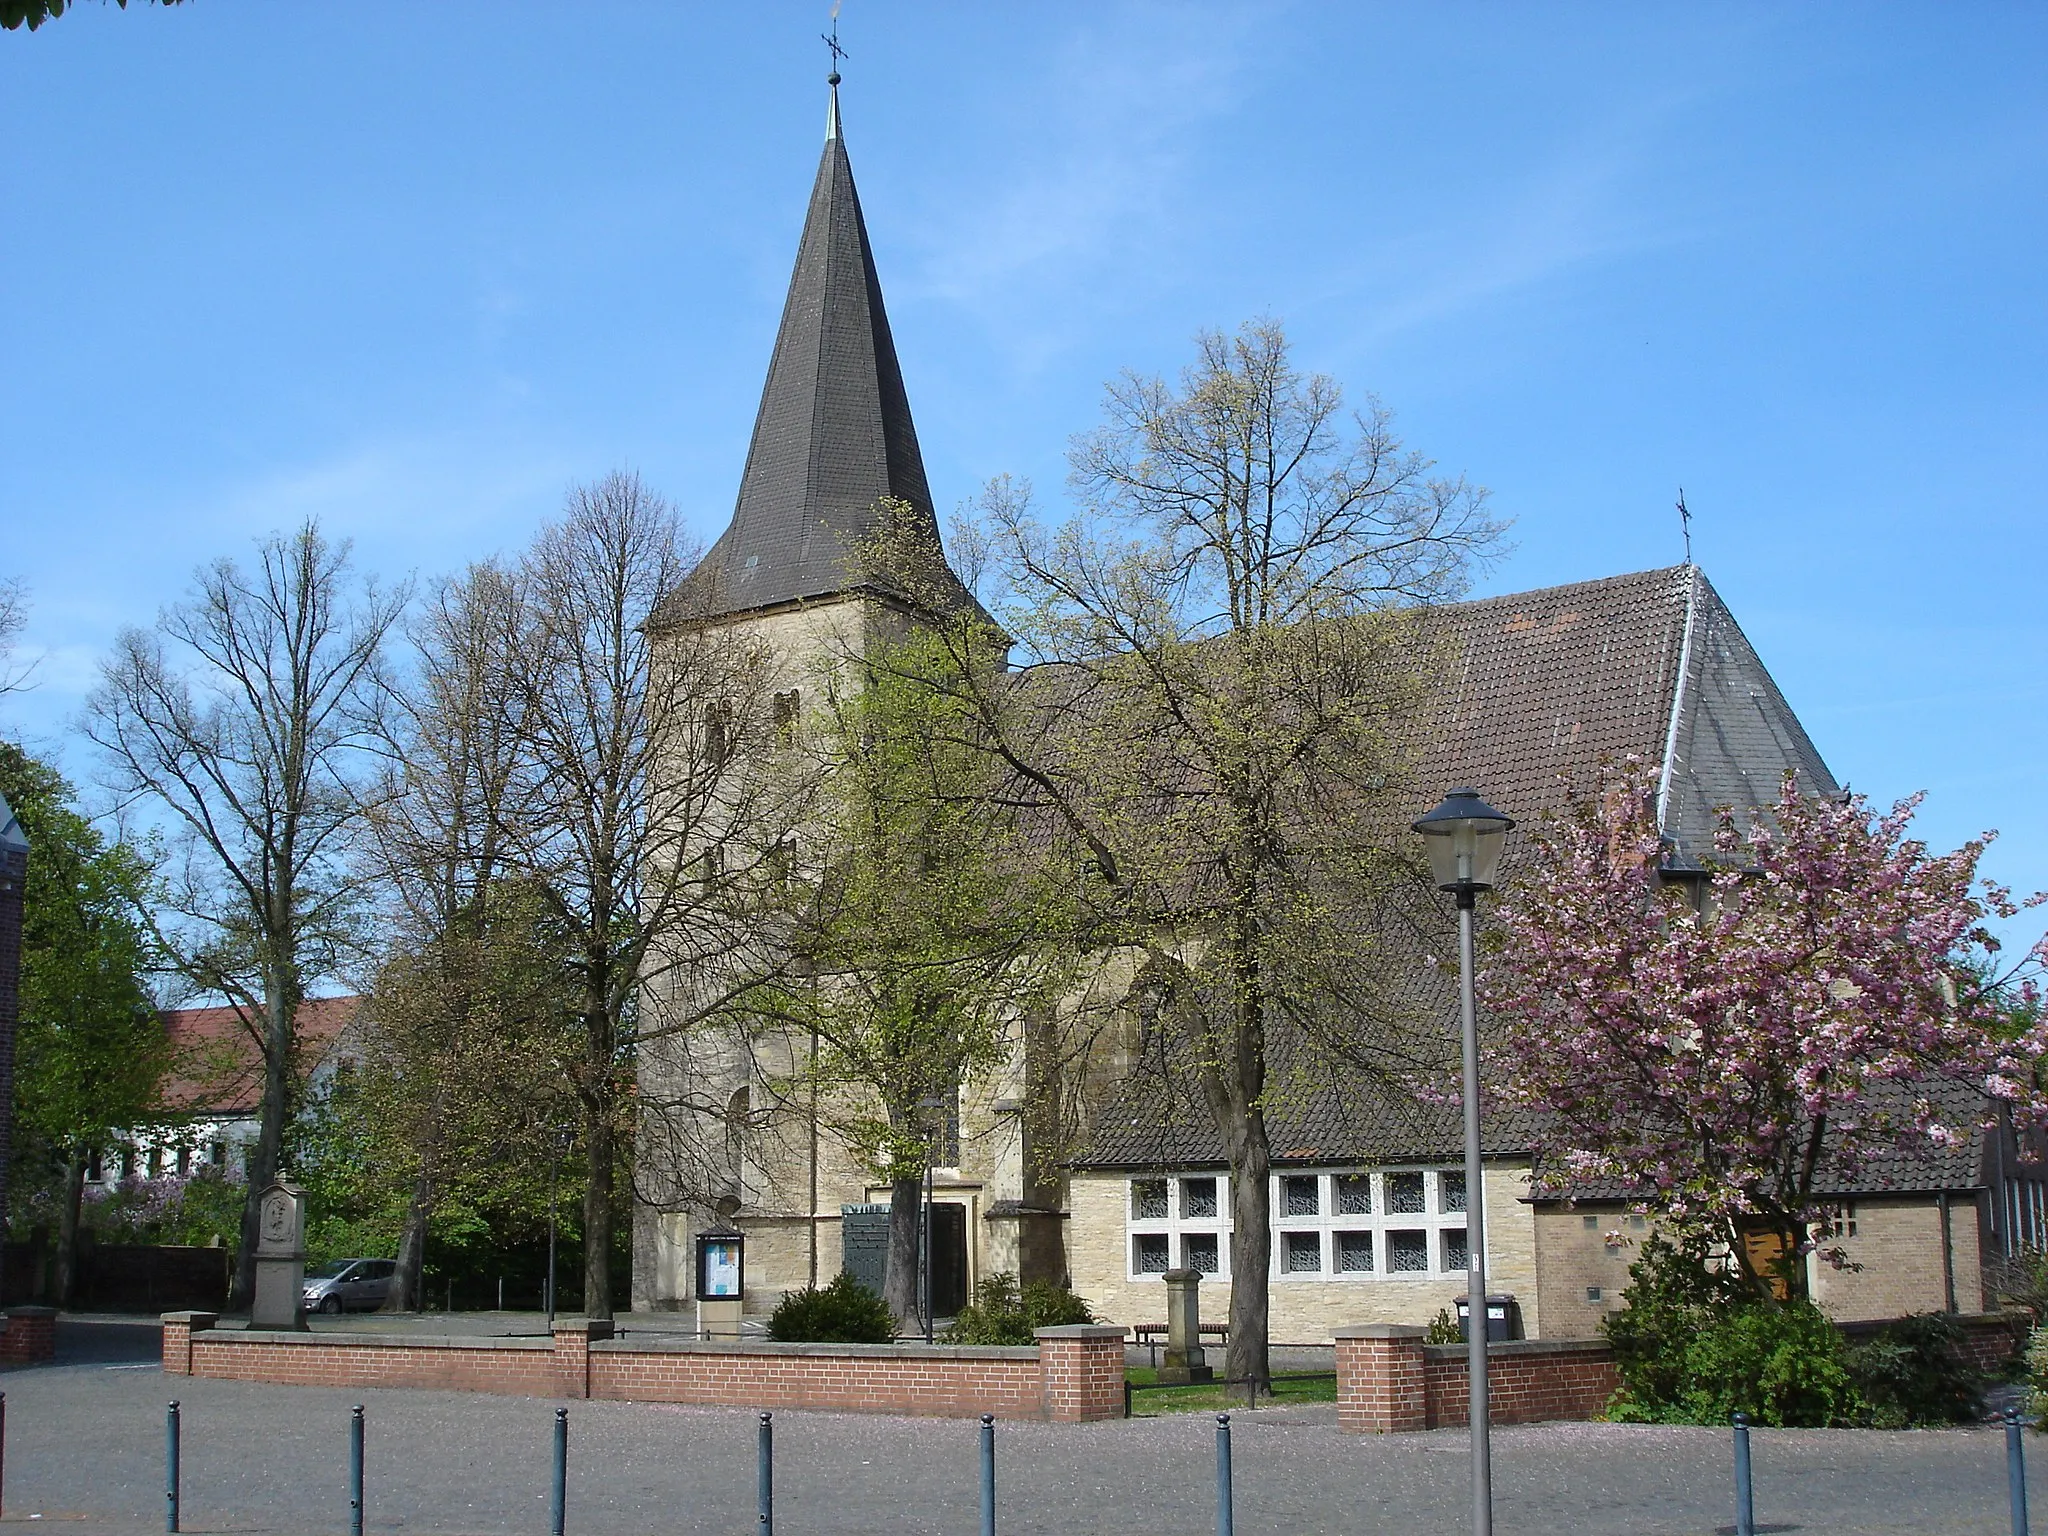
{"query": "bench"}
pixel 1149 1335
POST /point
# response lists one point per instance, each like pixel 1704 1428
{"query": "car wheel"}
pixel 331 1305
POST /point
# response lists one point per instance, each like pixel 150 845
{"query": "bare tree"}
pixel 622 802
pixel 13 620
pixel 240 720
pixel 458 1008
pixel 1217 704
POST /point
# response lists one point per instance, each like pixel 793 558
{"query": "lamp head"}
pixel 1465 837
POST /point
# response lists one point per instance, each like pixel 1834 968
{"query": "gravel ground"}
pixel 85 1451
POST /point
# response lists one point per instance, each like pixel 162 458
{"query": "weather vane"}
pixel 1685 524
pixel 831 41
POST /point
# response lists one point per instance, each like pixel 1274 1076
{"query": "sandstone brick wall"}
pixel 1302 1311
pixel 1898 1243
pixel 1074 1374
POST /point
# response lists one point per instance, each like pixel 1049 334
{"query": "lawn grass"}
pixel 1149 1399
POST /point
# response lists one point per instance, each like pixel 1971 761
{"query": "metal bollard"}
pixel 1225 1520
pixel 355 1471
pixel 561 1506
pixel 171 1467
pixel 988 1474
pixel 764 1474
pixel 1745 1509
pixel 2016 1470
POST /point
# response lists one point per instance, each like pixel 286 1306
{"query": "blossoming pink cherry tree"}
pixel 1729 1052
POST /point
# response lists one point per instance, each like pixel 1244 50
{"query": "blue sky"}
pixel 416 268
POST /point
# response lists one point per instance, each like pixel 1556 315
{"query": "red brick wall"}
pixel 31 1336
pixel 1075 1374
pixel 1388 1381
pixel 845 1378
pixel 1526 1382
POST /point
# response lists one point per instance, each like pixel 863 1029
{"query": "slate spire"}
pixel 834 434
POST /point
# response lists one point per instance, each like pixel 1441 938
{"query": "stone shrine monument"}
pixel 280 1257
pixel 1183 1362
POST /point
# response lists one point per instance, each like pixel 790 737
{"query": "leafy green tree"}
pixel 89 1046
pixel 1218 707
pixel 923 938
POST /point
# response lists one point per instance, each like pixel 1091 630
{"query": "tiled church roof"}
pixel 1538 688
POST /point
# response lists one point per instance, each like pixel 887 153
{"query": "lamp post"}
pixel 562 1140
pixel 1465 837
pixel 931 1104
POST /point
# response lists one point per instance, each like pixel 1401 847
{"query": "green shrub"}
pixel 843 1312
pixel 2037 1376
pixel 1782 1364
pixel 1912 1372
pixel 1002 1314
pixel 1694 1346
pixel 1443 1329
pixel 1672 1295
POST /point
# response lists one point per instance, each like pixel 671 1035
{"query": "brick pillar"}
pixel 178 1330
pixel 1381 1386
pixel 1082 1371
pixel 31 1336
pixel 572 1351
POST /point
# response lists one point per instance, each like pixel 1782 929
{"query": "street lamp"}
pixel 1465 837
pixel 932 1105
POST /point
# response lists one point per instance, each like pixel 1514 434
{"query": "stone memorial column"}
pixel 1184 1360
pixel 280 1257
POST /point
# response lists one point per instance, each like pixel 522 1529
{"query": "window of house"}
pixel 1357 1225
pixel 156 1162
pixel 217 1154
pixel 184 1162
pixel 785 717
pixel 1179 1222
pixel 1842 1221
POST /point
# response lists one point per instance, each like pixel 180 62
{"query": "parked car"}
pixel 349 1285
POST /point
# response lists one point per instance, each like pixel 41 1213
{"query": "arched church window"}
pixel 718 742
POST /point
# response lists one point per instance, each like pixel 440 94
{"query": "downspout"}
pixel 1948 1256
pixel 1692 588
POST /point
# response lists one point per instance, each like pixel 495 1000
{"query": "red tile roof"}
pixel 216 1060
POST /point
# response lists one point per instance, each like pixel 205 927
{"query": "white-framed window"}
pixel 1357 1224
pixel 1177 1221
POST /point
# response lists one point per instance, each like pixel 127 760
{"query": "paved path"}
pixel 85 1451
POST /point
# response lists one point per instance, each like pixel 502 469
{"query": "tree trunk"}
pixel 1247 1360
pixel 412 1246
pixel 279 1009
pixel 900 1286
pixel 597 1213
pixel 67 1227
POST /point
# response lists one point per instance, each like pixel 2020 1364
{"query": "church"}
pixel 1369 1196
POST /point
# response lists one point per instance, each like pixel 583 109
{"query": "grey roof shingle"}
pixel 833 436
pixel 1539 688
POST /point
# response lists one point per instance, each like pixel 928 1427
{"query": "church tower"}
pixel 833 440
pixel 801 578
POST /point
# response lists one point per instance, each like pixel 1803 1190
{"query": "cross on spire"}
pixel 831 42
pixel 1685 524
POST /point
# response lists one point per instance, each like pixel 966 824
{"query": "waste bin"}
pixel 1503 1318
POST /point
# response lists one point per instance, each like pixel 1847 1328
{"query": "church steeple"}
pixel 833 436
